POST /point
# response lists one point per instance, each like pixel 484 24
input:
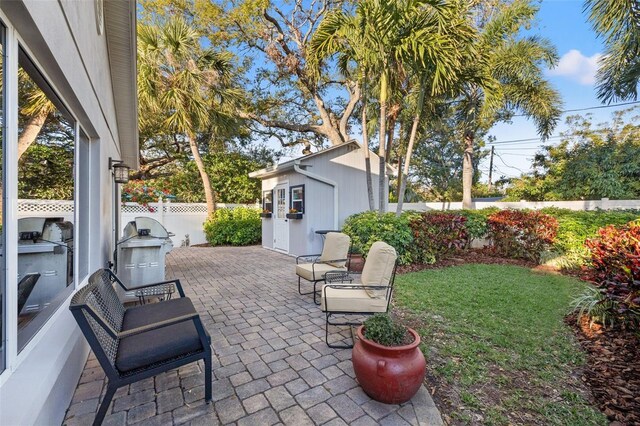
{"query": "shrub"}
pixel 594 304
pixel 477 222
pixel 381 329
pixel 521 234
pixel 437 234
pixel 368 227
pixel 239 226
pixel 615 267
pixel 574 227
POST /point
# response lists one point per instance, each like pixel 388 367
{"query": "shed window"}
pixel 267 201
pixel 297 198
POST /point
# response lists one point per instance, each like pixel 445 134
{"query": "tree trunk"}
pixel 208 191
pixel 407 160
pixel 31 131
pixel 381 151
pixel 467 169
pixel 412 139
pixel 367 157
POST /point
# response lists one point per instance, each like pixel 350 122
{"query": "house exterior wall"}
pixel 62 38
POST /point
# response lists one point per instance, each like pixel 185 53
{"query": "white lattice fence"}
pixel 183 219
pixel 180 218
pixel 46 208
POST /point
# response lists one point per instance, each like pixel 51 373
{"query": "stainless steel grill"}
pixel 141 254
pixel 45 247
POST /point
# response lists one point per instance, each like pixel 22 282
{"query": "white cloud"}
pixel 575 66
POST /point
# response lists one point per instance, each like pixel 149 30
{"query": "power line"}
pixel 590 108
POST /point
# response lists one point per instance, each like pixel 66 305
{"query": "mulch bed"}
pixel 612 370
pixel 464 257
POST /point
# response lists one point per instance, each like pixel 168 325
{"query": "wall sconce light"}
pixel 120 170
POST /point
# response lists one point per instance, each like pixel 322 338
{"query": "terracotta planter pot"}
pixel 388 374
pixel 356 263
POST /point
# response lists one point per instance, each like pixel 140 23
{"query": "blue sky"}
pixel 565 25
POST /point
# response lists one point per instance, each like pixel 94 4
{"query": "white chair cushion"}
pixel 378 268
pixel 350 300
pixel 336 246
pixel 316 271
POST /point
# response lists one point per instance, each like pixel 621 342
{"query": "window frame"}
pixel 301 200
pixel 268 208
pixel 11 50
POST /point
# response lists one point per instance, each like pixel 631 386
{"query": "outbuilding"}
pixel 304 197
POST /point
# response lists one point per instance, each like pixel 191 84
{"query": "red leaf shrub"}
pixel 521 234
pixel 437 234
pixel 615 266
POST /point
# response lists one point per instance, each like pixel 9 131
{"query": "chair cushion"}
pixel 350 300
pixel 378 268
pixel 316 271
pixel 336 246
pixel 159 345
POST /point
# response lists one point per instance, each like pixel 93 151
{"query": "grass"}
pixel 495 341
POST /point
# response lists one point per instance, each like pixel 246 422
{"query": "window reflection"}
pixel 46 138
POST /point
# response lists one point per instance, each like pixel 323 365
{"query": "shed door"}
pixel 280 223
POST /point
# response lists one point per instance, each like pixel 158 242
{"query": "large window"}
pixel 46 166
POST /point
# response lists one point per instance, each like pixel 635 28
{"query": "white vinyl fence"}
pixel 183 219
pixel 603 204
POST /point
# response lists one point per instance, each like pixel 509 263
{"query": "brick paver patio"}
pixel 270 362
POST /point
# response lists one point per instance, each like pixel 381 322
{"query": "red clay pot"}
pixel 388 374
pixel 356 263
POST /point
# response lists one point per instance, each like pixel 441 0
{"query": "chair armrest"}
pixel 159 324
pixel 115 278
pixel 306 257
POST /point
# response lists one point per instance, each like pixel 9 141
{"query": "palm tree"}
pixel 383 37
pixel 190 87
pixel 618 23
pixel 506 76
pixel 431 80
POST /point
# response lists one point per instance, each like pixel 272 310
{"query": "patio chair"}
pixel 25 287
pixel 334 257
pixel 369 294
pixel 135 343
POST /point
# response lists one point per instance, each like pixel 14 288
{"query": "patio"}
pixel 270 362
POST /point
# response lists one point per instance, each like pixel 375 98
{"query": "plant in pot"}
pixel 387 360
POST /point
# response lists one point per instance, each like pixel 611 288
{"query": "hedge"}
pixel 239 226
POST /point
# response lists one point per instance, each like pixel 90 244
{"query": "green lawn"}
pixel 495 340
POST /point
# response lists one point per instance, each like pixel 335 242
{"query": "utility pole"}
pixel 491 166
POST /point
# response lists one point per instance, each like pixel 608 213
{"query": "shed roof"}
pixel 276 169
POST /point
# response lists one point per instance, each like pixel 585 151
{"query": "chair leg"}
pixel 207 377
pixel 108 396
pixel 326 335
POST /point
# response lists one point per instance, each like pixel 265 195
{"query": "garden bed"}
pixel 612 370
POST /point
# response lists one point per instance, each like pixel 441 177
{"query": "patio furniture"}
pixel 135 343
pixel 25 287
pixel 334 257
pixel 367 295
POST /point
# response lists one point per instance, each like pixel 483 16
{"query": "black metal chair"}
pixel 135 343
pixel 25 287
pixel 348 295
pixel 334 257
